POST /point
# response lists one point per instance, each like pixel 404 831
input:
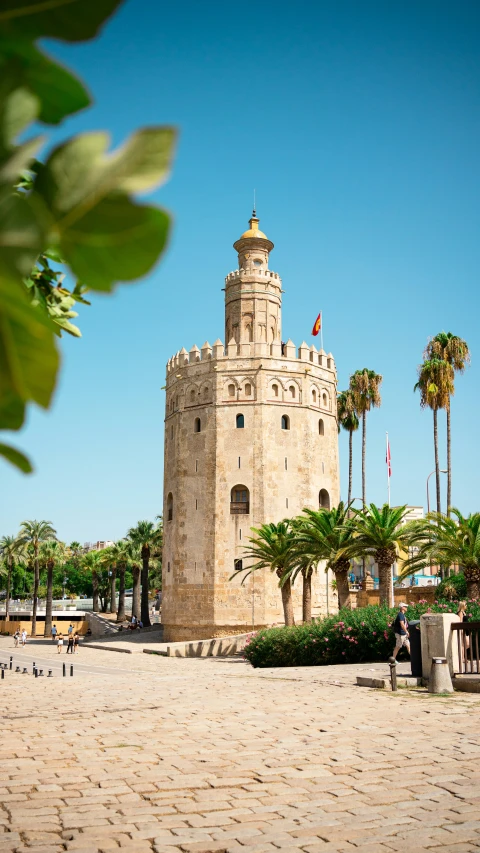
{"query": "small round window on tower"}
pixel 257 262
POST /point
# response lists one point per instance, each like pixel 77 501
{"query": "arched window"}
pixel 231 390
pixel 248 389
pixel 314 397
pixel 321 427
pixel 285 422
pixel 238 565
pixel 169 506
pixel 275 390
pixel 240 421
pixel 324 499
pixel 292 391
pixel 197 425
pixel 192 395
pixel 240 500
pixel 329 363
pixel 324 399
pixel 205 390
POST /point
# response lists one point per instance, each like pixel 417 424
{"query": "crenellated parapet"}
pixel 253 274
pixel 287 352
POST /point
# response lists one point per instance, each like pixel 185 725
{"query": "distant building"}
pixel 97 546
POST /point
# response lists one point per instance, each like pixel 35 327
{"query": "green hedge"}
pixel 351 636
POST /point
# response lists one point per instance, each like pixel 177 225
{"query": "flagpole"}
pixel 321 331
pixel 388 470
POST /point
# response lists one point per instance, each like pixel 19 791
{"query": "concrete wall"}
pixel 438 641
pixel 11 626
pixel 411 595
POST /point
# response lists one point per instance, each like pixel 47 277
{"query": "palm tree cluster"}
pixel 333 537
pixel 353 405
pixel 445 355
pixel 37 547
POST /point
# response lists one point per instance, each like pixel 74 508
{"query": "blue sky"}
pixel 358 125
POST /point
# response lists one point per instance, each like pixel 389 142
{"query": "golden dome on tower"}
pixel 254 230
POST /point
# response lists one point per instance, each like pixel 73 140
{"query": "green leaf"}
pixel 102 234
pixel 22 233
pixel 59 92
pixel 18 110
pixel 69 20
pixel 117 241
pixel 12 165
pixel 28 356
pixel 16 458
pixel 79 173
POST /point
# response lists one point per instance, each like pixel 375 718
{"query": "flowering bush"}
pixel 351 636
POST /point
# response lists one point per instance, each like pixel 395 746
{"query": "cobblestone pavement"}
pixel 144 753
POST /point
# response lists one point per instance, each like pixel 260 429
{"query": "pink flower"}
pixel 343 653
pixel 374 633
pixel 363 624
pixel 314 641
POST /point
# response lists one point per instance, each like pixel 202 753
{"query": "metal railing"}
pixel 468 644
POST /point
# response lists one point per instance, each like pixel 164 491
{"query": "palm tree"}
pixel 135 565
pixel 33 533
pixel 447 541
pixel 10 549
pixel 381 532
pixel 272 548
pixel 51 554
pixel 120 554
pixel 435 383
pixel 144 536
pixel 76 551
pixel 91 562
pixel 365 389
pixel 347 419
pixel 327 534
pixel 454 350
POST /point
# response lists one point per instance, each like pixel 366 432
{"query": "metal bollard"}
pixel 50 674
pixel 33 666
pixel 71 670
pixel 24 671
pixel 3 672
pixel 35 672
pixel 64 669
pixel 393 673
pixel 11 659
pixel 17 669
pixel 40 672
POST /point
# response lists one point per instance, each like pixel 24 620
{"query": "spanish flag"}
pixel 317 325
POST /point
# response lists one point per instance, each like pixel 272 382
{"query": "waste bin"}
pixel 415 647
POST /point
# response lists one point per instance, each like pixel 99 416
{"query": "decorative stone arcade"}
pixel 250 437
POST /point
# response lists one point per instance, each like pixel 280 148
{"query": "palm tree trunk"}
pixel 113 591
pixel 9 584
pixel 385 583
pixel 473 589
pixel 449 462
pixel 121 593
pixel 49 603
pixel 144 608
pixel 35 593
pixel 350 464
pixel 95 591
pixel 343 590
pixel 307 595
pixel 364 453
pixel 437 464
pixel 136 592
pixel 287 603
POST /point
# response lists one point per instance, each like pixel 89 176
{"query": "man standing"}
pixel 400 626
pixel 54 632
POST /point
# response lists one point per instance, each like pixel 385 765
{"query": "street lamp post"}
pixel 428 493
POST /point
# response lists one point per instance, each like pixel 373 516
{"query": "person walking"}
pixel 70 644
pixel 75 643
pixel 54 632
pixel 24 638
pixel 59 644
pixel 16 638
pixel 400 626
pixel 70 629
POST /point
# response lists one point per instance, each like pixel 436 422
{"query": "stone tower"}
pixel 250 437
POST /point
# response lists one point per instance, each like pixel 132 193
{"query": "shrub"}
pixel 454 587
pixel 351 636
